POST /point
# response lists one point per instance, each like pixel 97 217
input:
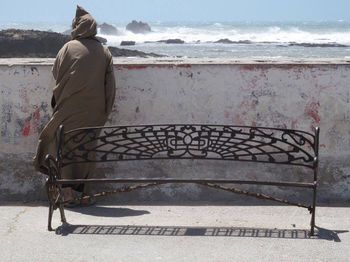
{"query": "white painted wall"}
pixel 288 95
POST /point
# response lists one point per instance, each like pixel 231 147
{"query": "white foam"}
pixel 219 31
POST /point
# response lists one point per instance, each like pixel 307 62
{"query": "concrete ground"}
pixel 174 233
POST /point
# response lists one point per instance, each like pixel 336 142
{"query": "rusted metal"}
pixel 181 180
pixel 315 169
pixel 124 189
pixel 257 195
pixel 205 142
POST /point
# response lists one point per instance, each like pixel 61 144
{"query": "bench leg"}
pixel 63 216
pixel 51 206
pixel 312 223
pixel 54 192
pixel 49 222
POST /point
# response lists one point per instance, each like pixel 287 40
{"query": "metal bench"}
pixel 177 141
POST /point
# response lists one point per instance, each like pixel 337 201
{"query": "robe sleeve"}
pixel 110 87
pixel 58 61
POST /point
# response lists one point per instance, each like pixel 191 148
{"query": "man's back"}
pixel 85 88
pixel 80 72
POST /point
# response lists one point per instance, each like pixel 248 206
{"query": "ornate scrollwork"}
pixel 239 143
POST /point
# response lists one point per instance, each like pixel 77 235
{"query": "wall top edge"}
pixel 183 61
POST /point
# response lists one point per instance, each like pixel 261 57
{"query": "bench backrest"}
pixel 221 142
pixel 214 142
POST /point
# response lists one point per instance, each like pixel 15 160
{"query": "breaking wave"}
pixel 231 40
pixel 241 33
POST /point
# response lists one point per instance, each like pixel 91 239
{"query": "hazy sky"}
pixel 176 10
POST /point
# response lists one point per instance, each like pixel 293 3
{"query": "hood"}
pixel 83 25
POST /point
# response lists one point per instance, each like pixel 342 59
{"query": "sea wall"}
pixel 284 94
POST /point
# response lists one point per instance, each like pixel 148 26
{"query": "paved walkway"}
pixel 174 233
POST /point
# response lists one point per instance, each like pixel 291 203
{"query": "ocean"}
pixel 251 40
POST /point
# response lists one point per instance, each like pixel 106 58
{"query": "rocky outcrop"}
pixel 127 43
pixel 172 41
pixel 228 41
pixel 30 43
pixel 108 29
pixel 317 44
pixel 130 53
pixel 138 27
pixel 41 44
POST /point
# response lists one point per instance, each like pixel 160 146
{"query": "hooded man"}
pixel 84 93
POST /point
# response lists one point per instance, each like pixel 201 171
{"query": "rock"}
pixel 126 43
pixel 138 27
pixel 30 43
pixel 107 29
pixel 317 44
pixel 228 41
pixel 130 53
pixel 224 41
pixel 247 42
pixel 172 41
pixel 42 44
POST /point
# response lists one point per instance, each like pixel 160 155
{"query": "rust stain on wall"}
pixel 312 110
pixel 26 128
pixel 32 123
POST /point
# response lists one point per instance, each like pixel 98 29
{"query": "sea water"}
pixel 252 40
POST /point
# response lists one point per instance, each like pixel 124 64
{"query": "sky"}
pixel 176 10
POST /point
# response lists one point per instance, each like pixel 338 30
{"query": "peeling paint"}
pixel 34 70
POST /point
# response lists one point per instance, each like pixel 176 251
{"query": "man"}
pixel 83 96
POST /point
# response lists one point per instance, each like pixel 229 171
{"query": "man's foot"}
pixel 70 197
pixel 73 198
pixel 87 201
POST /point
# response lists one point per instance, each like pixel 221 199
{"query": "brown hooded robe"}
pixel 84 93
